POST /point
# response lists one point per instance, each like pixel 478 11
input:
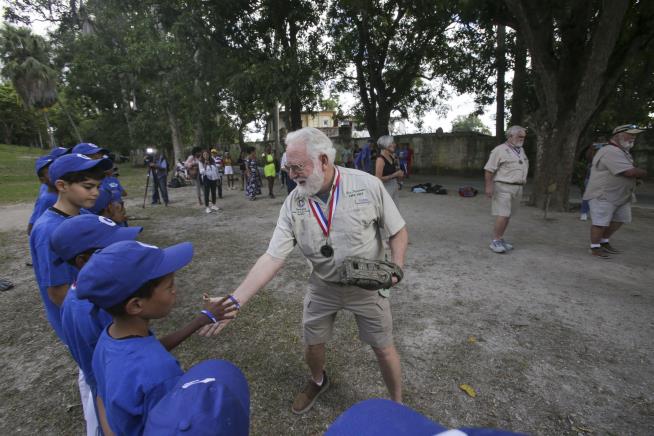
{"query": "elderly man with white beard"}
pixel 610 189
pixel 505 174
pixel 334 212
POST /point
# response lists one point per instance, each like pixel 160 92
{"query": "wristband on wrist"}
pixel 209 315
pixel 236 303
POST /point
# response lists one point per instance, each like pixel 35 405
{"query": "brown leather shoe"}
pixel 310 392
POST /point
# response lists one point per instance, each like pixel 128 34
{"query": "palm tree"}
pixel 26 63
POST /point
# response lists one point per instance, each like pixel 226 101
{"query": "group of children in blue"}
pixel 100 288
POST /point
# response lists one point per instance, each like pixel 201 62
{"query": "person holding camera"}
pixel 159 170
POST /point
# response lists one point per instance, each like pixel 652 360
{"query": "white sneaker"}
pixel 508 246
pixel 583 217
pixel 214 207
pixel 497 247
pixel 207 210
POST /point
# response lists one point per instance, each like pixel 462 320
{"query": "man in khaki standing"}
pixel 610 189
pixel 505 174
pixel 334 213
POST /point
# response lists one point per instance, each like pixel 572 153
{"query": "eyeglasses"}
pixel 299 168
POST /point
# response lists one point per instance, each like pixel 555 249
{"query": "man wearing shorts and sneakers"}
pixel 610 189
pixel 505 174
pixel 334 213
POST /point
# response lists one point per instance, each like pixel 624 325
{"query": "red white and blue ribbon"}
pixel 326 223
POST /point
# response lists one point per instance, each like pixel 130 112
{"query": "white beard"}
pixel 313 183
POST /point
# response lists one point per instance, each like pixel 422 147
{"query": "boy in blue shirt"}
pixel 76 179
pixel 74 241
pixel 108 206
pixel 90 150
pixel 135 283
pixel 111 183
pixel 47 196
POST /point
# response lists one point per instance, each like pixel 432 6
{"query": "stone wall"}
pixel 462 153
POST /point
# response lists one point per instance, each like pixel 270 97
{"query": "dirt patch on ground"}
pixel 554 342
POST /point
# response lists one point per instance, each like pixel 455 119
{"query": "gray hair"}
pixel 316 141
pixel 514 130
pixel 385 141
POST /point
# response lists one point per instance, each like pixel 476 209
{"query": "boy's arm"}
pixel 58 293
pixel 221 310
pixel 177 337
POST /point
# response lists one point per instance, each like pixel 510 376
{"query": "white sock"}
pixel 322 379
pixel 595 245
pixel 604 241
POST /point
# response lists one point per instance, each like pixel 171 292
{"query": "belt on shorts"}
pixel 509 183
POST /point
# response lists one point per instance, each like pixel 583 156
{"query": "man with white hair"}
pixel 334 212
pixel 505 175
pixel 610 189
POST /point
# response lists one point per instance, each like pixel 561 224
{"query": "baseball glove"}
pixel 369 274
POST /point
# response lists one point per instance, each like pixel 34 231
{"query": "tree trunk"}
pixel 53 144
pixel 175 134
pixel 383 119
pixel 555 159
pixel 198 133
pixel 519 84
pixel 296 113
pixel 500 58
pixel 72 123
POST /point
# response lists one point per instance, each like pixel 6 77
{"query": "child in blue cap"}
pixel 135 283
pixel 90 150
pixel 211 399
pixel 74 242
pixel 76 179
pixel 108 206
pixel 47 195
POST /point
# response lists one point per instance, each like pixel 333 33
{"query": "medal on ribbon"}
pixel 325 223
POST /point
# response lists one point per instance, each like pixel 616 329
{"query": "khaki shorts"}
pixel 603 212
pixel 323 301
pixel 506 199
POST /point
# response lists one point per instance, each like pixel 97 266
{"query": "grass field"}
pixel 19 184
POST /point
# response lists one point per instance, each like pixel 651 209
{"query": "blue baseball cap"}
pixel 212 398
pixel 59 151
pixel 116 272
pixel 43 162
pixel 70 163
pixel 104 198
pixel 84 232
pixel 379 417
pixel 88 148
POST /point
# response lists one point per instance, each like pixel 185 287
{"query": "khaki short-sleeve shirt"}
pixel 605 181
pixel 363 210
pixel 508 164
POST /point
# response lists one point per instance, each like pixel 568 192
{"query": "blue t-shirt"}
pixel 44 200
pixel 112 184
pixel 82 323
pixel 132 375
pixel 47 273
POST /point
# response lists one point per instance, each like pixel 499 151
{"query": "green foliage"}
pixel 16 121
pixel 26 62
pixel 469 123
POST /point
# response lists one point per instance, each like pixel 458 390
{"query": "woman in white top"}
pixel 210 175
